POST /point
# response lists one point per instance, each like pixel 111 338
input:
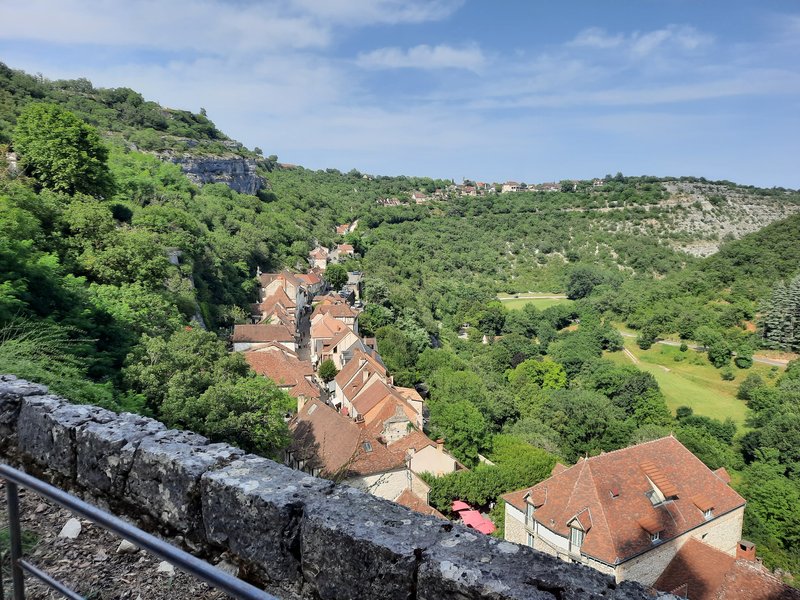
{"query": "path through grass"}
pixel 693 381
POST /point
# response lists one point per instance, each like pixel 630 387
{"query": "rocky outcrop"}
pixel 237 172
pixel 297 535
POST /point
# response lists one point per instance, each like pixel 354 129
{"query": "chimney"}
pixel 440 444
pixel 746 550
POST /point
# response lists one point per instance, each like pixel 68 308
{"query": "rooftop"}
pixel 613 497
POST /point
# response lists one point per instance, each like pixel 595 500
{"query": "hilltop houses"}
pixel 628 513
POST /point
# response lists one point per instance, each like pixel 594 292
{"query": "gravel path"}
pixel 91 564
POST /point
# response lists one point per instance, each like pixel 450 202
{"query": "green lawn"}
pixel 692 382
pixel 540 303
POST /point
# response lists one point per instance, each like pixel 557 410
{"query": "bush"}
pixel 727 374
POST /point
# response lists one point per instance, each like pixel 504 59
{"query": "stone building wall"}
pixel 282 526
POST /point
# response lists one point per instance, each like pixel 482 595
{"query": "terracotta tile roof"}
pixel 723 474
pixel 305 388
pixel 279 296
pixel 410 500
pixel 360 362
pixel 338 310
pixel 616 533
pixel 283 368
pixel 656 476
pixel 371 396
pixel 409 394
pixel 337 339
pixel 701 572
pixel 309 278
pixel 324 438
pixel 346 248
pixel 336 444
pixel 343 228
pixel 262 333
pixel 326 327
pixel 319 252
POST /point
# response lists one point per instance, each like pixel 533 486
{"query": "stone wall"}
pixel 299 536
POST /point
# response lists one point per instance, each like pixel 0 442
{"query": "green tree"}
pixel 336 276
pixel 327 370
pixel 60 151
pixel 247 412
pixel 462 426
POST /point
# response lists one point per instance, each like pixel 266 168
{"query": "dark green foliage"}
pixel 61 152
pixel 336 276
pixel 327 370
pixel 517 465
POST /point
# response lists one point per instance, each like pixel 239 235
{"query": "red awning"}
pixel 458 505
pixel 486 527
pixel 471 518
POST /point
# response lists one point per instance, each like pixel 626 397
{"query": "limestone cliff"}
pixel 237 172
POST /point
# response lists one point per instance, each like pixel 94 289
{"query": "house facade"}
pixel 627 513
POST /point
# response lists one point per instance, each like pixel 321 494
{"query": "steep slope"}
pixel 190 140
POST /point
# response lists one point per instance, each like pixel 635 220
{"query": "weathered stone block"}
pixel 12 391
pixel 254 507
pixel 467 564
pixel 355 545
pixel 105 451
pixel 164 480
pixel 46 429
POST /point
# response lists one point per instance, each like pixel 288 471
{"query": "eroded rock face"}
pixel 105 451
pixel 236 172
pixel 164 479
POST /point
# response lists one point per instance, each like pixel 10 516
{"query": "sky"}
pixel 522 90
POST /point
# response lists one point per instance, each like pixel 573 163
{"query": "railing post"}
pixel 15 534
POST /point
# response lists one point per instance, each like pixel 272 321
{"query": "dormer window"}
pixel 530 509
pixel 367 446
pixel 576 538
pixel 705 505
pixel 656 536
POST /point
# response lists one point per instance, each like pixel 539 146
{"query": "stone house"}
pixel 319 257
pixel 290 284
pixel 627 513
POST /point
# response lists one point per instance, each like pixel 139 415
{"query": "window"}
pixel 530 510
pixel 576 538
pixel 367 446
pixel 654 537
pixel 709 514
pixel 530 540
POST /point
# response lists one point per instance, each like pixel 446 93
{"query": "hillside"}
pixel 107 259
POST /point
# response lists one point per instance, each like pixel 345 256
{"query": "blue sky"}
pixel 526 90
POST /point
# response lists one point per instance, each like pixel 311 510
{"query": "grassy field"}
pixel 693 381
pixel 540 303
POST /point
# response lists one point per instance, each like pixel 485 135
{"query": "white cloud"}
pixel 424 57
pixel 641 44
pixel 206 26
pixel 366 12
pixel 596 37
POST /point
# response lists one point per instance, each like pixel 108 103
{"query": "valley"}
pixel 105 267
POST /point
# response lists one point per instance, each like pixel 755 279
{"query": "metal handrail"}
pixel 191 564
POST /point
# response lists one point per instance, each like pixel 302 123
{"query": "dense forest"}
pixel 120 279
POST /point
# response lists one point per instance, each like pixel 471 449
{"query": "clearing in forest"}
pixel 539 300
pixel 691 380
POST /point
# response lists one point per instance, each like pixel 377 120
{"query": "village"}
pixel 470 188
pixel 652 513
pixel 357 427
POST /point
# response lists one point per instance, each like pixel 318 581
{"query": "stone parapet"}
pixel 299 536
